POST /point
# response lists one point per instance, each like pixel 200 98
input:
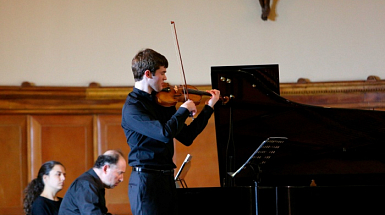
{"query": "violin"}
pixel 168 96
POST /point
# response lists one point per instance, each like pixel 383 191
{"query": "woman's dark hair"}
pixel 36 186
pixel 147 59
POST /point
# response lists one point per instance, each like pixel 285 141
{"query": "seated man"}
pixel 86 193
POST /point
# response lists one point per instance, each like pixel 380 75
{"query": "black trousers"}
pixel 152 193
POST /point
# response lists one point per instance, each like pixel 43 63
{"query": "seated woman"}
pixel 40 194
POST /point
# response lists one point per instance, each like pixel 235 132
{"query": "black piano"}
pixel 333 161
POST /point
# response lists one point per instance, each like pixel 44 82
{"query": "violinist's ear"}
pixel 148 74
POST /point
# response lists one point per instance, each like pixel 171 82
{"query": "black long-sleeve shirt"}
pixel 44 206
pixel 85 196
pixel 150 129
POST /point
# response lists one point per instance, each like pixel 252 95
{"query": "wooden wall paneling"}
pixel 75 124
pixel 34 147
pixel 13 152
pixel 65 138
pixel 111 136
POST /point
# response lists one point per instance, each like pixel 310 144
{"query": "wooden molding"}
pixel 366 94
pixel 314 88
pixel 30 99
pixel 95 99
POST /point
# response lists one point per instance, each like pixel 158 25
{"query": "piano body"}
pixel 341 150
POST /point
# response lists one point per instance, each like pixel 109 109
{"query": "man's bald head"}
pixel 110 168
pixel 110 157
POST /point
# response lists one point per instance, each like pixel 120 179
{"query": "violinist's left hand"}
pixel 215 94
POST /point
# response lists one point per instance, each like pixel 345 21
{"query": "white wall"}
pixel 75 42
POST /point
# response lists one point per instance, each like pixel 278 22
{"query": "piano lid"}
pixel 333 146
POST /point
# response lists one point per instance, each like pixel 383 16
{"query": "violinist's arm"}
pixel 189 132
pixel 136 118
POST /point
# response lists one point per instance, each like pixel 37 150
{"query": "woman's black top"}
pixel 44 206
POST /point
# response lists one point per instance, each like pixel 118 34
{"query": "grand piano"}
pixel 333 161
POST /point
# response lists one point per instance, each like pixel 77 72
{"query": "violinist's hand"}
pixel 215 94
pixel 190 106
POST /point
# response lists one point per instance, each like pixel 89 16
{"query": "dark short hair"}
pixel 108 159
pixel 147 59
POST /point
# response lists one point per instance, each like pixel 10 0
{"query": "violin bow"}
pixel 179 56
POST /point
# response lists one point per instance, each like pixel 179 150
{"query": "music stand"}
pixel 261 156
pixel 179 178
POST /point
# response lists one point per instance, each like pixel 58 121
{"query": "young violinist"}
pixel 150 130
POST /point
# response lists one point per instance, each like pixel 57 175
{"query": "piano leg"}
pixel 256 197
